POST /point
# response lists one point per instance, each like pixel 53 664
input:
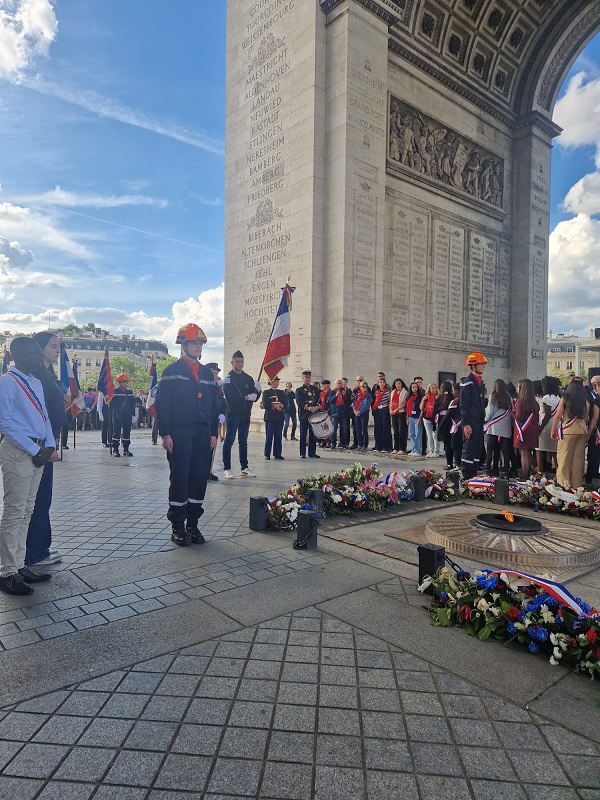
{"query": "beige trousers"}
pixel 571 456
pixel 21 480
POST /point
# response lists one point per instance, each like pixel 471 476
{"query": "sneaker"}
pixel 14 584
pixel 248 473
pixel 127 453
pixel 394 452
pixel 431 455
pixel 116 454
pixel 54 558
pixel 415 455
pixel 227 473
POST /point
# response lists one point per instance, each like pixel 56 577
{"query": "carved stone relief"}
pixel 425 146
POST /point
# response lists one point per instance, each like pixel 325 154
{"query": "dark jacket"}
pixel 54 399
pixel 181 402
pixel 289 403
pixel 340 410
pixel 472 400
pixel 240 386
pixel 269 397
pixel 123 404
pixel 306 396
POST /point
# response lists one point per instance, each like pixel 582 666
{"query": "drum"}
pixel 321 424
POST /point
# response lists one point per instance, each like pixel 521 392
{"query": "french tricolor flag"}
pixel 279 346
pixel 69 383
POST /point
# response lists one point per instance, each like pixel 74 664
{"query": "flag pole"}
pixel 287 283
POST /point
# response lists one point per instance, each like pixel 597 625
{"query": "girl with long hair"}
pixel 498 428
pixel 569 428
pixel 527 426
pixel 381 414
pixel 398 399
pixel 427 405
pixel 415 425
pixel 548 446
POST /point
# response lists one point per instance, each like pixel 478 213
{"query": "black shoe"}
pixel 127 453
pixel 103 445
pixel 116 454
pixel 65 446
pixel 14 584
pixel 29 576
pixel 279 458
pixel 315 456
pixel 179 535
pixel 293 439
pixel 213 477
pixel 302 456
pixel 193 532
pixel 267 458
pixel 285 435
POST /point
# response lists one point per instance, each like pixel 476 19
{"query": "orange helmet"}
pixel 475 358
pixel 190 333
pixel 122 377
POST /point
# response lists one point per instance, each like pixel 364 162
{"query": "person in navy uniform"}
pixel 289 412
pixel 122 408
pixel 187 409
pixel 215 369
pixel 307 400
pixel 241 391
pixel 273 400
pixel 473 402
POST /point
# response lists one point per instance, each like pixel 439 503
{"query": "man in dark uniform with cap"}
pixel 122 408
pixel 188 416
pixel 307 400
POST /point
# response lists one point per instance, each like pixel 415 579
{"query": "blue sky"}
pixel 112 121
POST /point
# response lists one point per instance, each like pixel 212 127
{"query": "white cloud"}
pixel 62 197
pixel 38 228
pixel 27 29
pixel 206 310
pixel 584 196
pixel 105 107
pixel 13 256
pixel 578 112
pixel 574 285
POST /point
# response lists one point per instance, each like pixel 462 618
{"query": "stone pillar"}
pixel 531 226
pixel 355 157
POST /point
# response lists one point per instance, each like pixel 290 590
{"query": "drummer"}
pixel 307 400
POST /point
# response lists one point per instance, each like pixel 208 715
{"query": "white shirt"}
pixel 23 412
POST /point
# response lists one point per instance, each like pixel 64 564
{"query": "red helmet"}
pixel 475 358
pixel 122 377
pixel 190 333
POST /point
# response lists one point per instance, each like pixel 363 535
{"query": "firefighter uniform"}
pixel 122 409
pixel 473 403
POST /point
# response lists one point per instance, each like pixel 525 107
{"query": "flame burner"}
pixel 499 522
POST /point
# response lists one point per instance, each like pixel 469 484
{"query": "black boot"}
pixel 192 530
pixel 179 535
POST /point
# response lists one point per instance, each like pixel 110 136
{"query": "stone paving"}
pixel 246 669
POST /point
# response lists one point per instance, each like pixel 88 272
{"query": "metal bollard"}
pixel 501 493
pixel 419 485
pixel 453 477
pixel 258 513
pixel 306 531
pixel 431 558
pixel 315 498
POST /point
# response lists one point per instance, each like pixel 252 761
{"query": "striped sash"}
pixel 567 424
pixel 522 428
pixel 30 394
pixel 455 426
pixel 495 420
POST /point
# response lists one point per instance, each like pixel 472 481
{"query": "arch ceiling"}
pixel 508 56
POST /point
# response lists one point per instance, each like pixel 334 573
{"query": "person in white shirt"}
pixel 27 444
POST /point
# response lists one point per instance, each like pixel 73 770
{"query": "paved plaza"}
pixel 246 669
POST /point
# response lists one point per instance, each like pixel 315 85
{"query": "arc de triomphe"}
pixel 394 157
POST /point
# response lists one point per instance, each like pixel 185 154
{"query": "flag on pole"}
pixel 69 383
pixel 105 384
pixel 6 361
pixel 279 345
pixel 153 389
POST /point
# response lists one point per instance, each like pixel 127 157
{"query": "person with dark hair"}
pixel 39 551
pixel 547 446
pixel 360 407
pixel 527 425
pixel 188 417
pixel 592 472
pixel 472 408
pixel 28 444
pixel 440 409
pixel 122 408
pixel 340 403
pixel 241 392
pixel 569 428
pixel 413 415
pixel 450 430
pixel 215 369
pixel 272 401
pixel 381 414
pixel 398 398
pixel 498 428
pixel 307 400
pixel 289 412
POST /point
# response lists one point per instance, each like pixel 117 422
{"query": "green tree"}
pixel 139 376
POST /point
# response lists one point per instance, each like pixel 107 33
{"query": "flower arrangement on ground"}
pixel 519 609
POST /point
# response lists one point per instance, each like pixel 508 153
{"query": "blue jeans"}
pixel 362 430
pixel 239 425
pixel 273 438
pixel 415 432
pixel 286 421
pixel 341 421
pixel 39 534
